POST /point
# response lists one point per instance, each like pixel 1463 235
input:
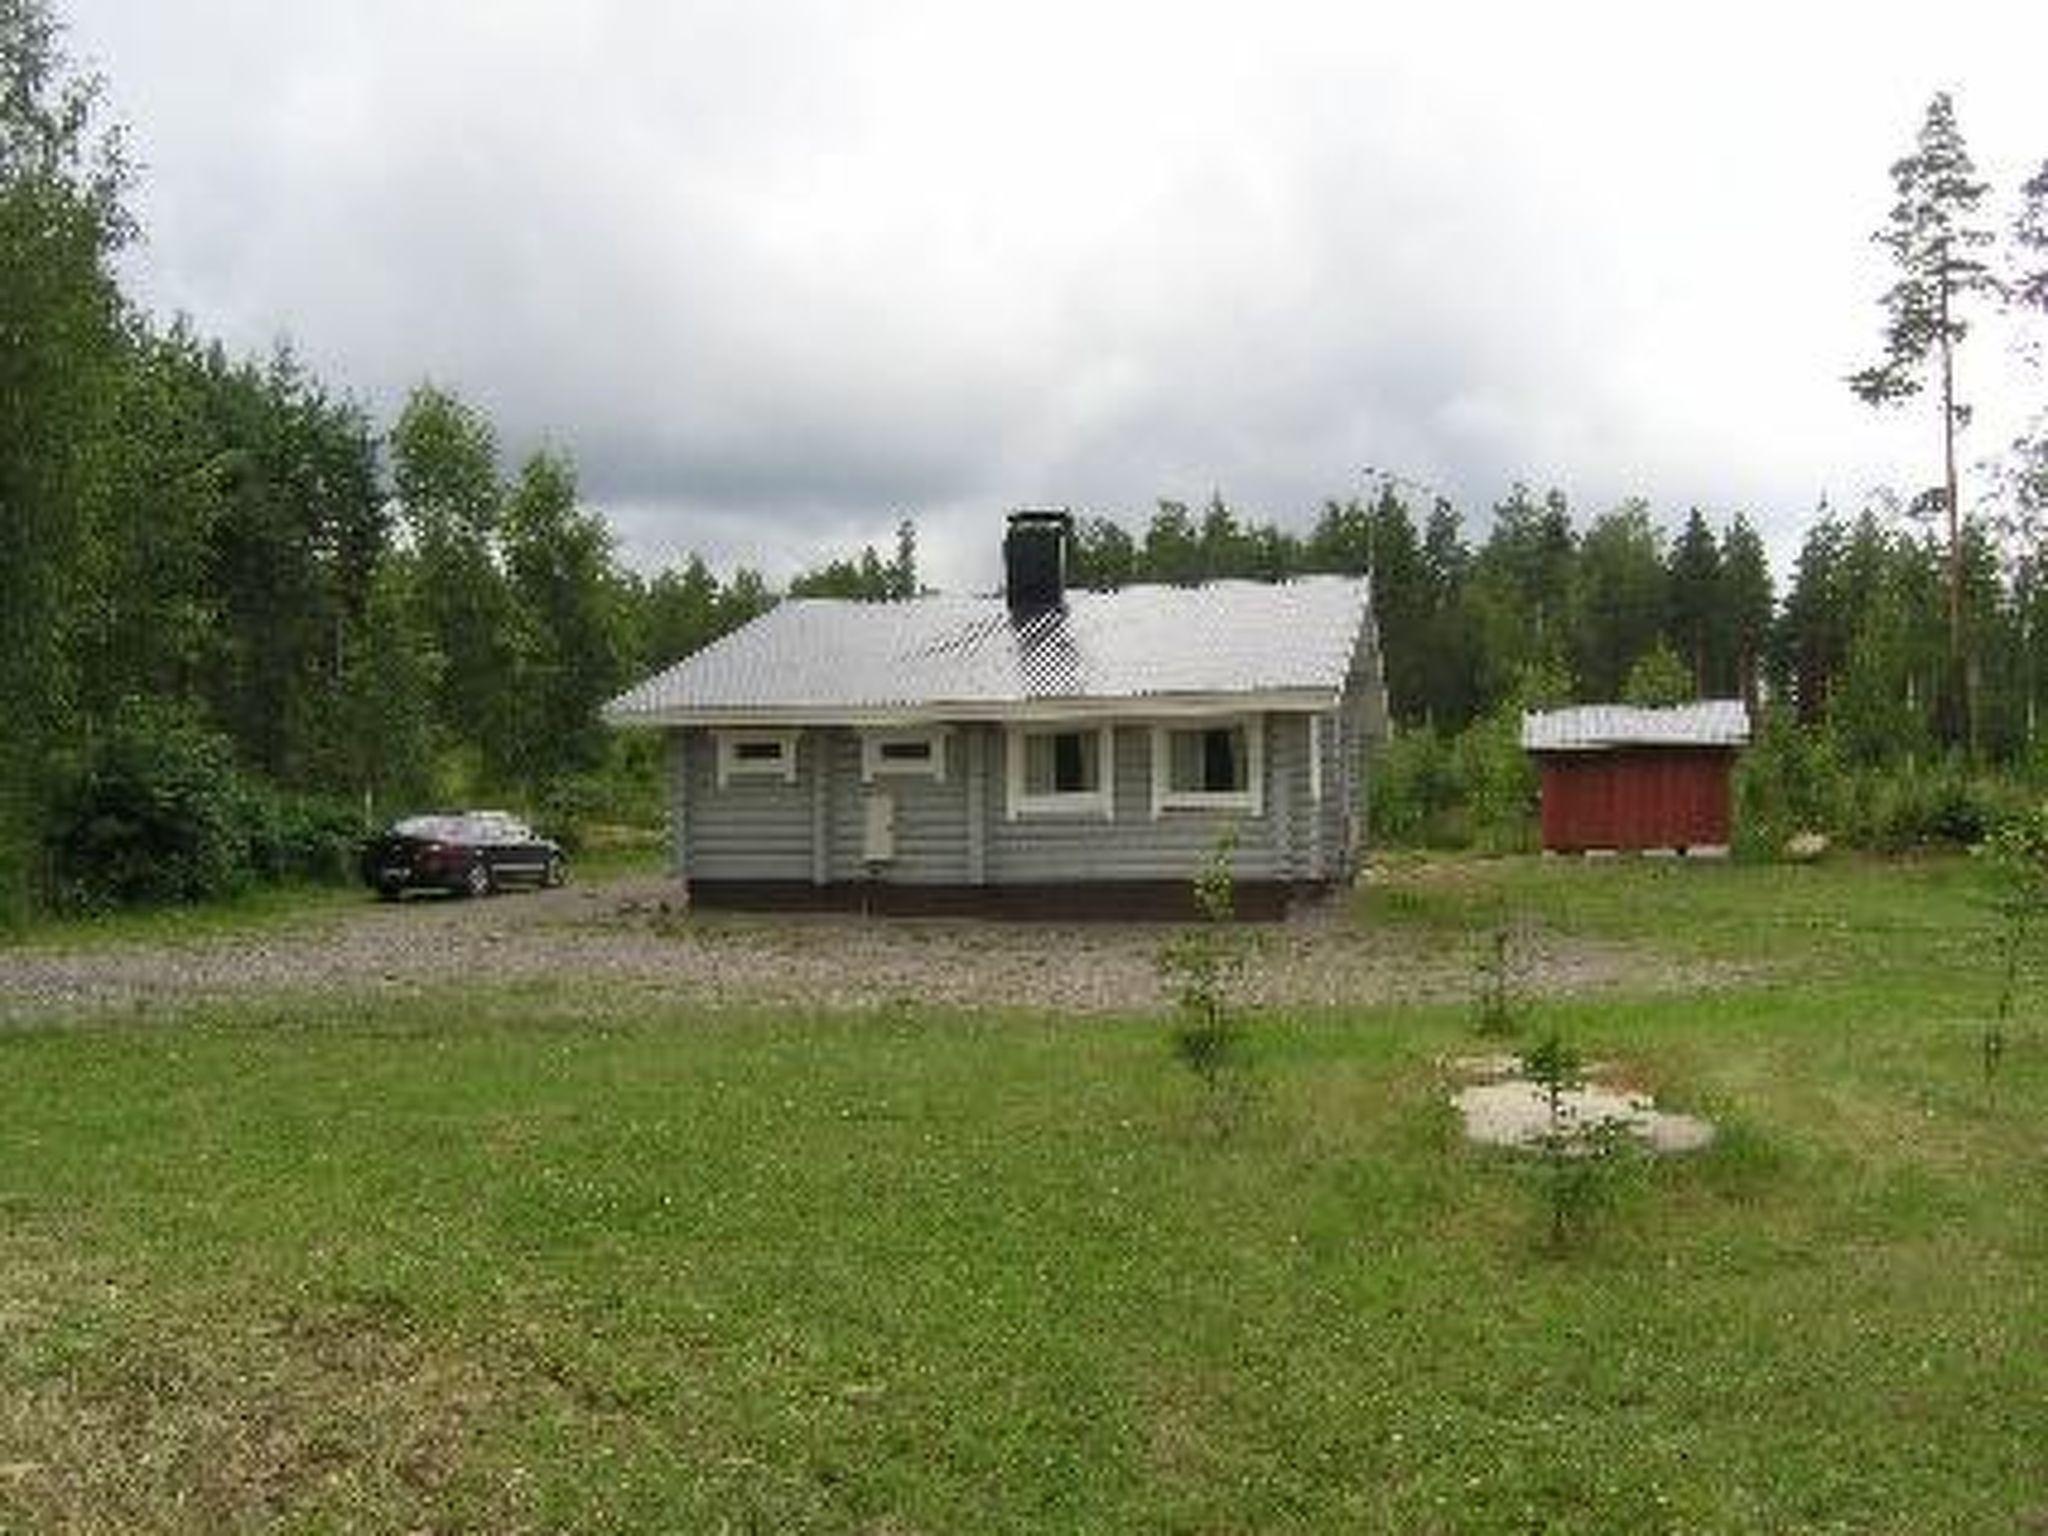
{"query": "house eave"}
pixel 1159 706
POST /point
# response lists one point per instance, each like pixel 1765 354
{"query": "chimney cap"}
pixel 1042 517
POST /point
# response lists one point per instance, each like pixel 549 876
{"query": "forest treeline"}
pixel 240 620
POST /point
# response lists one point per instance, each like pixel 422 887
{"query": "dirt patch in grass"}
pixel 127 1418
pixel 630 933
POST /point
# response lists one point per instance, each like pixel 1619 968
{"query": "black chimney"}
pixel 1035 561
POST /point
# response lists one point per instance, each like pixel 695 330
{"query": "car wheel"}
pixel 479 880
pixel 389 892
pixel 557 873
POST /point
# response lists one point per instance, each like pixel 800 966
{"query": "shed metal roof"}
pixel 1591 727
pixel 828 660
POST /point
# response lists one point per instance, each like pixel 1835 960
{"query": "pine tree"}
pixel 2027 287
pixel 1813 629
pixel 2029 283
pixel 903 568
pixel 1933 239
pixel 1617 598
pixel 1747 602
pixel 1696 624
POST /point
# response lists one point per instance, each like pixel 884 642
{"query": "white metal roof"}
pixel 827 660
pixel 1590 727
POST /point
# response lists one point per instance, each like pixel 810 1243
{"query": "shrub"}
pixel 1580 1156
pixel 1501 784
pixel 150 811
pixel 1199 966
pixel 1658 678
pixel 1498 1006
pixel 1794 778
pixel 567 807
pixel 1417 794
pixel 294 836
pixel 1907 806
pixel 155 810
pixel 2014 864
pixel 1789 780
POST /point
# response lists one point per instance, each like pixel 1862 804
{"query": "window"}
pixel 903 752
pixel 1213 765
pixel 756 755
pixel 1061 770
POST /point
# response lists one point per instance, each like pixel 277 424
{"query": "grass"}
pixel 265 909
pixel 540 1258
pixel 260 909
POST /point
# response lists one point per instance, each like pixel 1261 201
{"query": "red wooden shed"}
pixel 1624 778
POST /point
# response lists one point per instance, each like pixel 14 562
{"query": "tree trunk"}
pixel 1959 724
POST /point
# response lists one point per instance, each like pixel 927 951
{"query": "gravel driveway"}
pixel 624 934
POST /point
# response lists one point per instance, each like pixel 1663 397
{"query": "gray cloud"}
pixel 779 275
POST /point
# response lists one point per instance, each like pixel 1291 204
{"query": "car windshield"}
pixel 440 828
pixel 495 828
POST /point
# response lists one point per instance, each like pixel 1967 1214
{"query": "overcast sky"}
pixel 777 274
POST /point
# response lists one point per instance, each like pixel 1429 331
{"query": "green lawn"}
pixel 543 1259
pixel 262 909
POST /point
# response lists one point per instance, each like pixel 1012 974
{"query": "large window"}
pixel 1207 765
pixel 1060 770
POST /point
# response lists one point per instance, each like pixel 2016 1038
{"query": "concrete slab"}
pixel 1515 1112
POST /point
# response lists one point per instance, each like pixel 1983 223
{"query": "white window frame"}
pixel 1249 801
pixel 732 766
pixel 1098 802
pixel 874 764
pixel 1315 759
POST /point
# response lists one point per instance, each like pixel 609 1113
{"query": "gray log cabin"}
pixel 1045 751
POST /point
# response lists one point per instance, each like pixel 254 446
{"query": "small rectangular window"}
pixel 756 755
pixel 904 753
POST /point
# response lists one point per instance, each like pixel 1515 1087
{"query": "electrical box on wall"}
pixel 878 835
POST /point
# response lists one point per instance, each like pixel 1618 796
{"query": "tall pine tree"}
pixel 1933 238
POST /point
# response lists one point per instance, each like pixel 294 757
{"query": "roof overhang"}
pixel 1633 744
pixel 1162 706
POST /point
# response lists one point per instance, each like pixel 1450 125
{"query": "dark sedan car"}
pixel 469 853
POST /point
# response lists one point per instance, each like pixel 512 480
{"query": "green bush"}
pixel 1795 778
pixel 1477 789
pixel 300 837
pixel 155 810
pixel 1501 784
pixel 1790 780
pixel 1418 798
pixel 1906 806
pixel 568 807
pixel 150 811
